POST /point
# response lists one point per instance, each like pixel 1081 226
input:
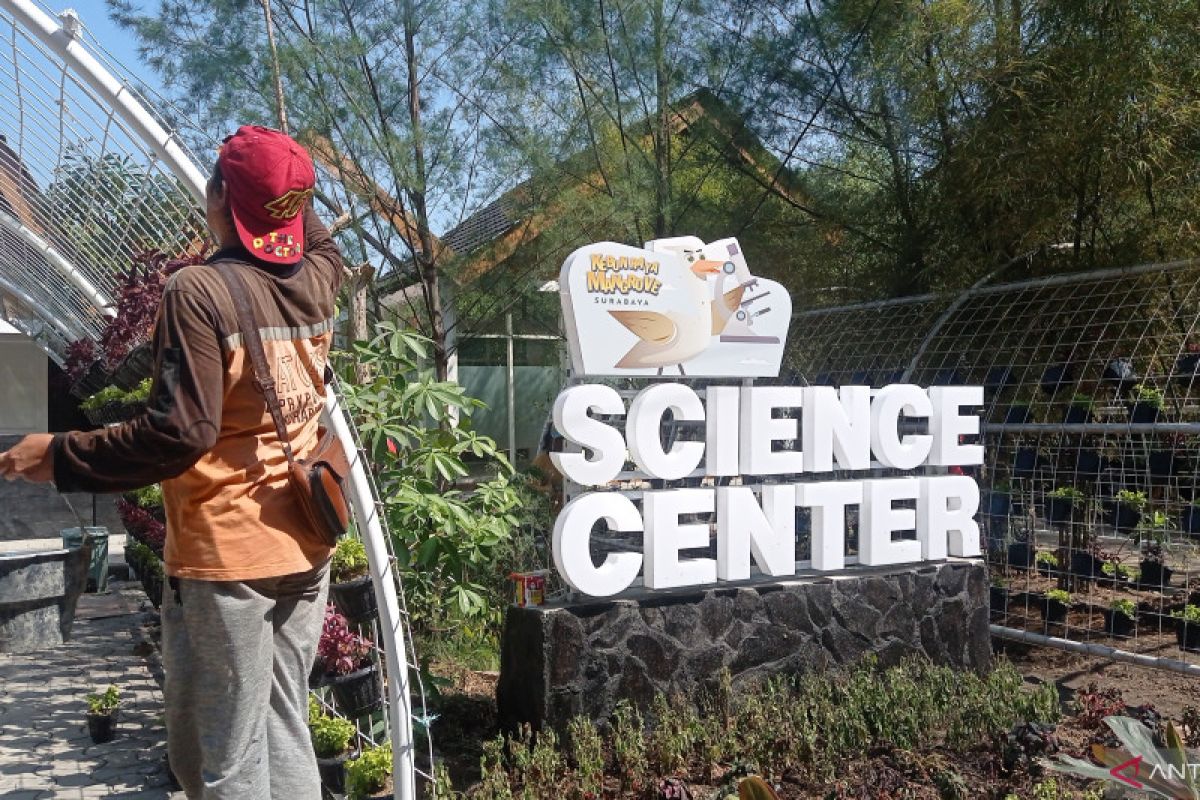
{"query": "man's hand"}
pixel 31 459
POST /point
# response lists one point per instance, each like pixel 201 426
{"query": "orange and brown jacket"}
pixel 207 434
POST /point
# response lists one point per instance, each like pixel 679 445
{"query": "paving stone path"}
pixel 45 750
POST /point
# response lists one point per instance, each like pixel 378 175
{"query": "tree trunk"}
pixel 662 137
pixel 359 330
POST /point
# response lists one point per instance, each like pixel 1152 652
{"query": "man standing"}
pixel 248 574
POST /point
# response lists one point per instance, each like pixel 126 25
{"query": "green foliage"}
pixel 349 560
pixel 1125 607
pixel 1143 393
pixel 115 394
pixel 331 735
pixel 808 725
pixel 448 492
pixel 149 496
pixel 1082 400
pixel 368 774
pixel 1132 498
pixel 1189 614
pixel 587 755
pixel 1059 595
pixel 1114 569
pixel 104 703
pixel 1069 493
pixel 1047 558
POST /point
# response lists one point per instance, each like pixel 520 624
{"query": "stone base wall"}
pixel 561 661
pixel 38 594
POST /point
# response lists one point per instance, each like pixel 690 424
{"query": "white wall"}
pixel 23 400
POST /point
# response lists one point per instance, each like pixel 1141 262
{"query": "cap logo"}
pixel 288 205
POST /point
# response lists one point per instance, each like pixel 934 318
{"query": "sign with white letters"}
pixel 754 442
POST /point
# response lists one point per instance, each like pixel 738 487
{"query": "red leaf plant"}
pixel 142 525
pixel 80 355
pixel 138 299
pixel 341 650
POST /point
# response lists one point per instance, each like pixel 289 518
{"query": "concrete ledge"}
pixel 561 661
pixel 38 594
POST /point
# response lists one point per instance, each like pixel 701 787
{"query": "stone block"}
pixel 560 661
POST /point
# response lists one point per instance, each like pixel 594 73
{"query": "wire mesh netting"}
pixel 81 194
pixel 1090 510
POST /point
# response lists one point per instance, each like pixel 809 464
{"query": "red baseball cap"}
pixel 269 178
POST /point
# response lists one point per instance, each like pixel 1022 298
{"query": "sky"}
pixel 116 40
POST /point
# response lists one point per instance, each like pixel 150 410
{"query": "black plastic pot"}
pixel 1059 510
pixel 1189 520
pixel 1141 411
pixel 1085 566
pixel 333 772
pixel 1188 635
pixel 102 727
pixel 1123 517
pixel 1187 369
pixel 1119 373
pixel 316 675
pixel 1087 464
pixel 1054 611
pixel 999 504
pixel 1025 463
pixel 1021 555
pixel 1117 624
pixel 1017 415
pixel 1076 413
pixel 997 379
pixel 1045 569
pixel 998 599
pixel 358 693
pixel 355 599
pixel 1154 574
pixel 1057 377
pixel 1163 464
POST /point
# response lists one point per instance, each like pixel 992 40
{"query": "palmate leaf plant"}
pixel 449 494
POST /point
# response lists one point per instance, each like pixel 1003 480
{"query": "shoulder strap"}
pixel 252 341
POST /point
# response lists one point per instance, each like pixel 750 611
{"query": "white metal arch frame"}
pixel 131 115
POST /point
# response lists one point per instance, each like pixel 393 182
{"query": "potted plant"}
pixel 369 777
pixel 1187 628
pixel 333 740
pixel 1114 573
pixel 1079 410
pixel 1060 505
pixel 1125 510
pixel 1021 555
pixel 1056 377
pixel 998 595
pixel 1055 604
pixel 102 714
pixel 1189 519
pixel 1047 563
pixel 349 670
pixel 1085 565
pixel 1153 573
pixel 1120 617
pixel 1147 403
pixel 1025 462
pixel 1087 464
pixel 350 585
pixel 1119 373
pixel 1187 366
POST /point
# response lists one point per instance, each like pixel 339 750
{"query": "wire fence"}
pixel 1090 510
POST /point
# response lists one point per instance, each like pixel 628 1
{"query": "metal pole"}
pixel 391 623
pixel 512 390
pixel 1103 651
pixel 1092 427
pixel 55 259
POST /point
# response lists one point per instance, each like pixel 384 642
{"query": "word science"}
pixel 760 444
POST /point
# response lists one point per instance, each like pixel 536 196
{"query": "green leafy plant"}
pixel 449 496
pixel 1115 570
pixel 138 394
pixel 1125 607
pixel 1068 493
pixel 103 704
pixel 629 745
pixel 1144 393
pixel 368 774
pixel 1059 595
pixel 331 735
pixel 349 560
pixel 109 394
pixel 1047 558
pixel 1082 400
pixel 1132 498
pixel 148 496
pixel 587 753
pixel 1189 614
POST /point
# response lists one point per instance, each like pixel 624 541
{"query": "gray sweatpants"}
pixel 237 656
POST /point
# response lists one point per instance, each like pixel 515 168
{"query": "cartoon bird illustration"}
pixel 671 338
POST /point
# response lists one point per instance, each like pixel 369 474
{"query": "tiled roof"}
pixel 482 227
